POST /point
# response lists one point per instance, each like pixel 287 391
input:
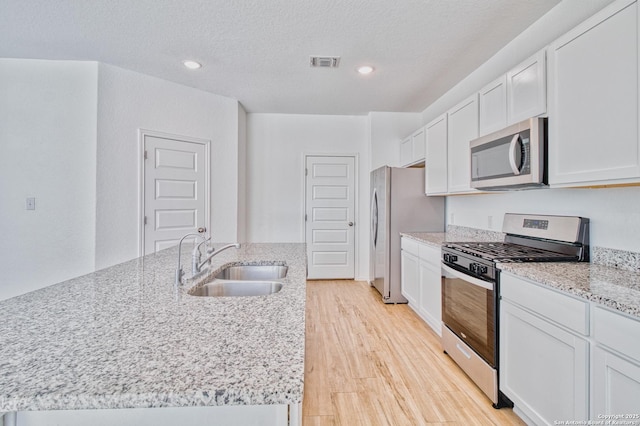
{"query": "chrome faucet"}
pixel 213 252
pixel 197 255
pixel 179 271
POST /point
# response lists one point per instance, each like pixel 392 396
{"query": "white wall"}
pixel 386 130
pixel 129 101
pixel 48 144
pixel 614 212
pixel 276 144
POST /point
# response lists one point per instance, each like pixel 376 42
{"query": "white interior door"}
pixel 175 190
pixel 330 218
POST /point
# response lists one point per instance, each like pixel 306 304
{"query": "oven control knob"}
pixel 478 268
pixel 449 258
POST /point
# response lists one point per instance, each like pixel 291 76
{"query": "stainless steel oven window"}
pixel 469 311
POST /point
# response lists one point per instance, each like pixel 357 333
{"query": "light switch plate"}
pixel 31 203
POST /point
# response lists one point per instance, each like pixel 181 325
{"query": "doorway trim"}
pixel 142 134
pixel 356 209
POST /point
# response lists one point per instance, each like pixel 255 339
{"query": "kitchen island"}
pixel 126 338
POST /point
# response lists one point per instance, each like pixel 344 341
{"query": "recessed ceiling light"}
pixel 192 65
pixel 365 69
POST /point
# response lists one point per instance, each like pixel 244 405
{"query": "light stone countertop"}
pixel 454 234
pixel 615 288
pixel 125 337
pixel 614 281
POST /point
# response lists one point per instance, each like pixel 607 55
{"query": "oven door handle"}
pixel 468 278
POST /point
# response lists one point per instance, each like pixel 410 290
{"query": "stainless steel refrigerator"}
pixel 398 204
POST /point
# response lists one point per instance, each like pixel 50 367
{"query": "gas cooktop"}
pixel 529 238
pixel 509 252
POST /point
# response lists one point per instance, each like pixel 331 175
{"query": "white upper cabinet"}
pixel 406 151
pixel 493 106
pixel 418 140
pixel 515 96
pixel 412 149
pixel 462 127
pixel 527 89
pixel 436 157
pixel 593 100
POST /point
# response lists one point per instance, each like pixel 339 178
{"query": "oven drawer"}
pixel 473 365
pixel 560 308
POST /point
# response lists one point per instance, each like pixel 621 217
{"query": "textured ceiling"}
pixel 257 51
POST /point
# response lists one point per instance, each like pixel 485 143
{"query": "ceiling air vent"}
pixel 324 61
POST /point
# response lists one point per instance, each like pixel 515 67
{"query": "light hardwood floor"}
pixel 368 363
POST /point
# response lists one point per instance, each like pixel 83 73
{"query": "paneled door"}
pixel 330 217
pixel 175 190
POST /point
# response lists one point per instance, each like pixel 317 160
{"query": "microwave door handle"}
pixel 512 154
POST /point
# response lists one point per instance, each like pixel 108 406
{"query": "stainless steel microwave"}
pixel 512 158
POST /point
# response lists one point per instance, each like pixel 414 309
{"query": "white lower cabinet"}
pixel 543 367
pixel 410 271
pixel 430 308
pixel 563 358
pixel 544 351
pixel 616 385
pixel 615 369
pixel 422 281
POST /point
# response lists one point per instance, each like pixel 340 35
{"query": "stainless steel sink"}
pixel 253 272
pixel 243 280
pixel 236 288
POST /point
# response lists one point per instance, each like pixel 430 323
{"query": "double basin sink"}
pixel 242 281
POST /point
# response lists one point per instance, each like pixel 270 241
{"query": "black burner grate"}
pixel 509 252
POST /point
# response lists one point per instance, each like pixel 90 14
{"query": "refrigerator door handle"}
pixel 374 217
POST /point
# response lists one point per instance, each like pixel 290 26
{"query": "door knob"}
pixel 201 230
pixel 350 223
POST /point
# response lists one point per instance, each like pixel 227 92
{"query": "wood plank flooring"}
pixel 368 363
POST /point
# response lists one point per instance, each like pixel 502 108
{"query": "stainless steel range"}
pixel 471 280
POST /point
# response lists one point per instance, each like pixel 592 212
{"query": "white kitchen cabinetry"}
pixel 515 96
pixel 462 127
pixel 430 308
pixel 527 89
pixel 406 151
pixel 616 365
pixel 410 271
pixel 593 100
pixel 544 356
pixel 422 281
pixel 412 149
pixel 436 157
pixel 493 106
